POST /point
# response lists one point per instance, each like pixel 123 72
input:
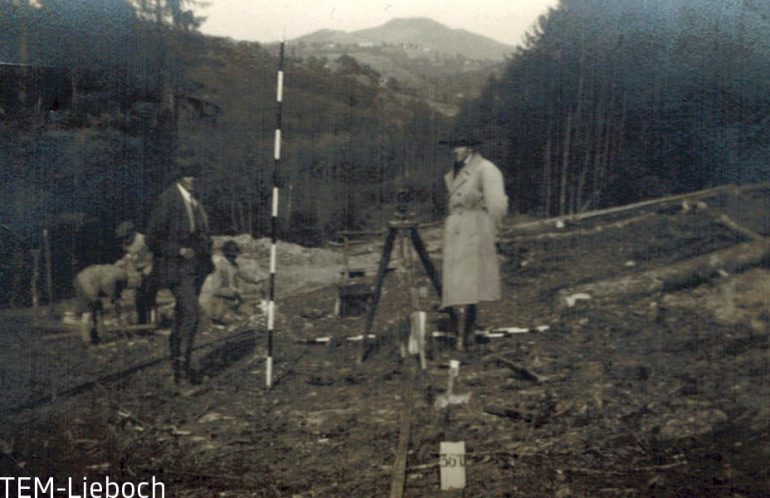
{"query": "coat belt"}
pixel 463 210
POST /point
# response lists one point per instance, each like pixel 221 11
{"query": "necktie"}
pixel 198 219
pixel 456 167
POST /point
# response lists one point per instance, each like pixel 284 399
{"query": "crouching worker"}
pixel 137 261
pixel 221 297
pixel 91 285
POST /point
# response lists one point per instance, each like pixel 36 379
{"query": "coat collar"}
pixel 186 195
pixel 193 203
pixel 453 182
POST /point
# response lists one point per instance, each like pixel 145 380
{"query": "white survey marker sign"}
pixel 452 465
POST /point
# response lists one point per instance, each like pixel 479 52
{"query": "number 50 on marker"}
pixel 452 464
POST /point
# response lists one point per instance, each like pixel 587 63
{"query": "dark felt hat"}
pixel 460 139
pixel 187 167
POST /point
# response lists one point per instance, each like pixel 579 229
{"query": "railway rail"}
pixel 80 388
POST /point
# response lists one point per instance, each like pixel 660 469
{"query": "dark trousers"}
pixel 145 299
pixel 465 335
pixel 186 318
pixel 471 312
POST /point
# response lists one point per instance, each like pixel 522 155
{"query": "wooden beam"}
pixel 687 273
pixel 404 434
pixel 578 233
pixel 551 222
pixel 735 227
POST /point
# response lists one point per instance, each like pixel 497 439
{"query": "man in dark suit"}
pixel 178 235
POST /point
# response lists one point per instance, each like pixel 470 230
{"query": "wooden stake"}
pixel 48 270
pixel 35 277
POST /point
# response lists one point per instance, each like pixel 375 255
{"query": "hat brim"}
pixel 187 170
pixel 460 142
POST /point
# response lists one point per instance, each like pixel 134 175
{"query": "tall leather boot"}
pixel 176 370
pixel 471 311
pixel 187 373
pixel 454 326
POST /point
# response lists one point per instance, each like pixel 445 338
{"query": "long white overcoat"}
pixel 477 204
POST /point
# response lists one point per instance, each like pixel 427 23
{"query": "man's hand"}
pixel 187 253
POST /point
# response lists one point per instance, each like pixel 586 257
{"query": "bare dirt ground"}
pixel 663 394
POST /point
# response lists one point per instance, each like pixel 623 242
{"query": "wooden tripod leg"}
pixel 435 278
pixel 425 258
pixel 377 291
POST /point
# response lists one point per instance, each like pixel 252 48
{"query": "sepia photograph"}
pixel 386 248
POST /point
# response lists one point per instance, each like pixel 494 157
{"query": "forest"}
pixel 605 103
pixel 613 102
pixel 99 97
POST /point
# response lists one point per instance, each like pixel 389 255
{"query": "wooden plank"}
pixel 404 434
pixel 732 225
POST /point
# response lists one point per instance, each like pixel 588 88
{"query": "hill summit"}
pixel 422 32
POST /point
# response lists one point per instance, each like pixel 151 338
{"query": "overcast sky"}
pixel 266 21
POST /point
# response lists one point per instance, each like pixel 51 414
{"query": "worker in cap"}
pixel 222 296
pixel 137 262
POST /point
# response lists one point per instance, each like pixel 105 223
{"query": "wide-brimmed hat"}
pixel 460 139
pixel 187 167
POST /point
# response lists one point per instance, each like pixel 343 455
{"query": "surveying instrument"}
pixel 404 227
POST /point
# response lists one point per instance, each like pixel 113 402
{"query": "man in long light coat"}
pixel 476 203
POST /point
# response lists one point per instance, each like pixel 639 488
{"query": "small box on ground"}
pixel 353 299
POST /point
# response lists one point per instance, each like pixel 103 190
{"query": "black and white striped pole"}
pixel 274 220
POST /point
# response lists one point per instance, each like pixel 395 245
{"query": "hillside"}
pixel 652 391
pixel 418 34
pixel 347 142
pixel 418 56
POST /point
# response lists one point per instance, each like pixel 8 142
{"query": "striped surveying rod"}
pixel 274 221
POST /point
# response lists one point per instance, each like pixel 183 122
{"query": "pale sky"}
pixel 267 21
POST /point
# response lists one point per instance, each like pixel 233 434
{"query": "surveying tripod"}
pixel 407 229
